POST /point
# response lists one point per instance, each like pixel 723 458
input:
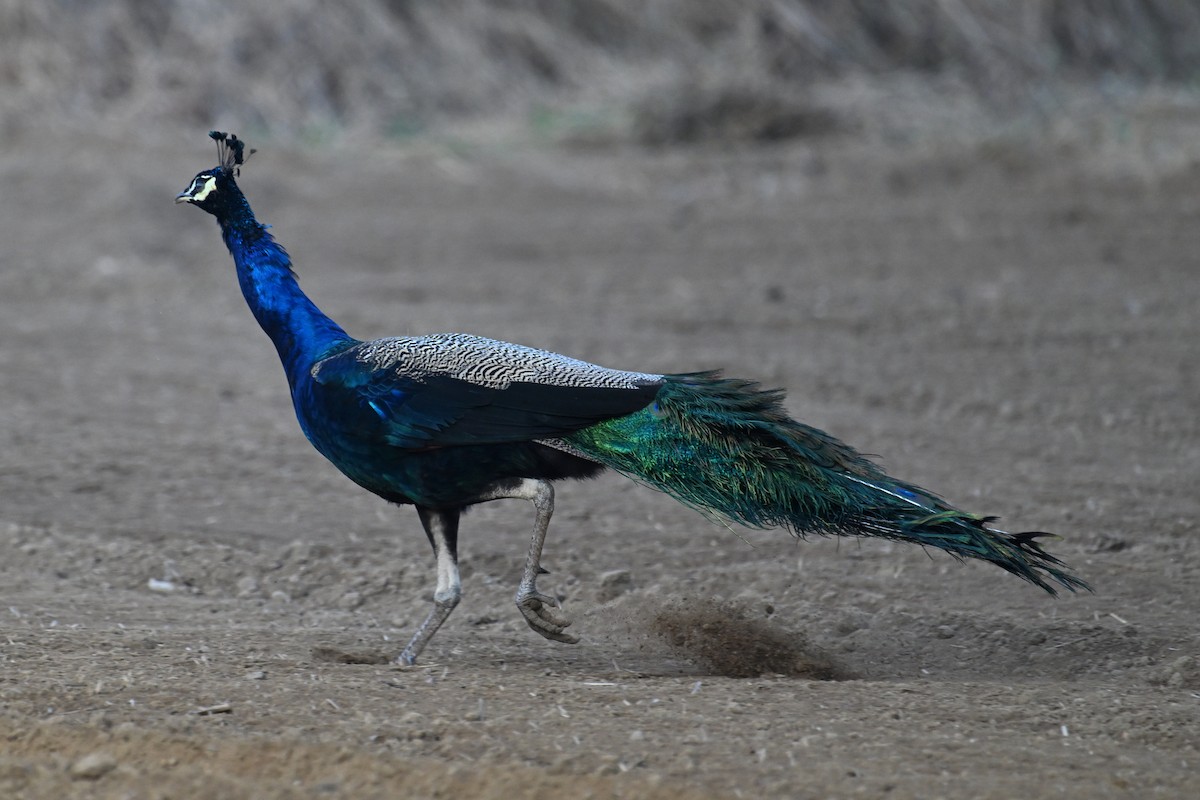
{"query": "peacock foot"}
pixel 543 614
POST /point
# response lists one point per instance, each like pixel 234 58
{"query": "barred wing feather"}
pixel 454 389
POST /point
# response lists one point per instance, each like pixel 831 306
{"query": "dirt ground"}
pixel 197 605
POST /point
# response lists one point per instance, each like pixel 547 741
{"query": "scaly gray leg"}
pixel 442 529
pixel 541 611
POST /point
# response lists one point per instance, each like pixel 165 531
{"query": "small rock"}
pixel 570 763
pixel 851 620
pixel 613 584
pixel 247 586
pixel 1183 673
pixel 256 675
pixel 93 766
pixel 945 631
pixel 609 765
pixel 350 601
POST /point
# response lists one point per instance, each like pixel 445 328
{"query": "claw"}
pixel 543 614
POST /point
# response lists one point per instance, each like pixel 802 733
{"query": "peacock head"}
pixel 214 188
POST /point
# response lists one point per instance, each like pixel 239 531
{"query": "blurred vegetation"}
pixel 671 70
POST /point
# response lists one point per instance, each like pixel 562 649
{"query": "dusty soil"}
pixel 1011 322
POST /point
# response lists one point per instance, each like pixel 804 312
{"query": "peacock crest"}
pixel 231 151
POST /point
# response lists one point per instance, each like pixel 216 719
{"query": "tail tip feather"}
pixel 1036 563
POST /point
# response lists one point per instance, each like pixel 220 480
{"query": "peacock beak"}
pixel 182 197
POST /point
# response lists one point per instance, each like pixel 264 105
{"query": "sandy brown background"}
pixel 996 294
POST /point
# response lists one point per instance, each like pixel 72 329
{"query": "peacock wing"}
pixel 454 389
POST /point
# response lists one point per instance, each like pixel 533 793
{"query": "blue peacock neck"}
pixel 301 332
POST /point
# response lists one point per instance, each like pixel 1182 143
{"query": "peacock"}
pixel 445 421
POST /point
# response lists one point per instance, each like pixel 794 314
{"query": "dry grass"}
pixel 395 67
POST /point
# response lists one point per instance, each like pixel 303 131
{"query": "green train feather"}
pixel 726 447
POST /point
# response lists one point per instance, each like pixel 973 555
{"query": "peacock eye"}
pixel 203 186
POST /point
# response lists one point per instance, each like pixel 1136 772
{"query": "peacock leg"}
pixel 541 611
pixel 442 529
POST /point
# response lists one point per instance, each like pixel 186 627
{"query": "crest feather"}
pixel 231 151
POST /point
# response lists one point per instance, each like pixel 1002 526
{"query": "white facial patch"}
pixel 210 185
